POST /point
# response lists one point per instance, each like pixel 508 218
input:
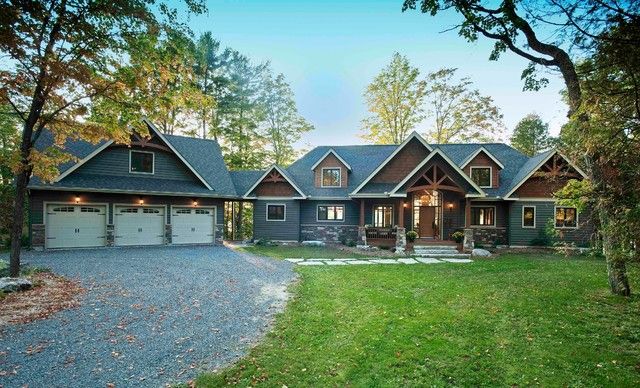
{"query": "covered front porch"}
pixel 433 205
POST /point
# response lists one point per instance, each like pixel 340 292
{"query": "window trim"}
pixel 153 162
pixel 555 209
pixel 490 175
pixel 344 209
pixel 339 177
pixel 495 216
pixel 535 214
pixel 266 211
pixel 373 214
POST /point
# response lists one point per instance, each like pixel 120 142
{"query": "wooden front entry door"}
pixel 427 218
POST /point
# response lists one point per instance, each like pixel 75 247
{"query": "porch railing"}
pixel 381 233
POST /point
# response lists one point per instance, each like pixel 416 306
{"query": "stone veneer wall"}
pixel 329 233
pixel 490 236
pixel 37 236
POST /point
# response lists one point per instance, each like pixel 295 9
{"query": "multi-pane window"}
pixel 483 216
pixel 481 176
pixel 566 217
pixel 330 177
pixel 528 216
pixel 330 213
pixel 383 216
pixel 276 212
pixel 141 162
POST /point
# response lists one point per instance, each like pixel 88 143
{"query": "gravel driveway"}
pixel 150 317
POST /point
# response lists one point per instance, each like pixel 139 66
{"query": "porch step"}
pixel 443 255
pixel 438 250
pixel 429 246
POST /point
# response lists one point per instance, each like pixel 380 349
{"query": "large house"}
pixel 165 189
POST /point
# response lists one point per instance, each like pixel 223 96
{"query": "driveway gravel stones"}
pixel 151 316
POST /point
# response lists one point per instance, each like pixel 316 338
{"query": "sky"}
pixel 330 50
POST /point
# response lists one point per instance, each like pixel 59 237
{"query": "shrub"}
pixel 351 243
pixel 458 236
pixel 263 242
pixel 412 235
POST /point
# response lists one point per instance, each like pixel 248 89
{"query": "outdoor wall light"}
pixel 141 201
pixel 450 206
pixel 195 202
pixel 77 198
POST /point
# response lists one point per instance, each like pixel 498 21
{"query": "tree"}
pixel 60 55
pixel 283 124
pixel 240 113
pixel 459 113
pixel 583 25
pixel 394 100
pixel 531 135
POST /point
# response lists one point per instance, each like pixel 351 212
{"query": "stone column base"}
pixel 467 245
pixel 401 240
pixel 111 235
pixel 362 237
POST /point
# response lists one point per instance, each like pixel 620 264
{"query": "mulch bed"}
pixel 50 294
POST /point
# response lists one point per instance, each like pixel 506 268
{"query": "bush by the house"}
pixel 412 235
pixel 458 236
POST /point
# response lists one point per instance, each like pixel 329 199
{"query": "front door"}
pixel 427 220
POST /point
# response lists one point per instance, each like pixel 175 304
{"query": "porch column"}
pixel 401 214
pixel 467 245
pixel 362 231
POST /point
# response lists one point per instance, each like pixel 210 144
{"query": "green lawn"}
pixel 512 321
pixel 300 252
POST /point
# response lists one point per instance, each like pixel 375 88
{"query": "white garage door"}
pixel 193 226
pixel 136 225
pixel 76 226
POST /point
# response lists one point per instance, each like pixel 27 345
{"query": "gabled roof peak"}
pixel 282 172
pixel 476 153
pixel 331 151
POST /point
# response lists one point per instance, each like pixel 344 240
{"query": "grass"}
pixel 300 252
pixel 512 321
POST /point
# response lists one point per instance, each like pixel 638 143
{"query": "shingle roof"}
pixel 243 180
pixel 204 156
pixel 363 159
pixel 527 167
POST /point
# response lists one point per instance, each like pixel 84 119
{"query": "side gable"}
pixel 331 160
pixel 274 183
pixel 548 173
pixel 483 158
pixel 402 161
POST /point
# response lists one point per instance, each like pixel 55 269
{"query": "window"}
pixel 89 210
pixel 150 211
pixel 202 211
pixel 566 217
pixel 483 216
pixel 129 210
pixel 141 162
pixel 528 216
pixel 330 213
pixel 331 177
pixel 64 209
pixel 481 176
pixel 383 216
pixel 276 212
pixel 183 211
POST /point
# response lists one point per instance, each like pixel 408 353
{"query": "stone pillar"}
pixel 362 237
pixel 37 236
pixel 111 235
pixel 401 240
pixel 467 245
pixel 168 235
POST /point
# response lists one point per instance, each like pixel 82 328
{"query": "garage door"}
pixel 192 226
pixel 139 225
pixel 76 226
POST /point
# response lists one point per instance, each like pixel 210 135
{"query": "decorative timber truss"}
pixel 434 179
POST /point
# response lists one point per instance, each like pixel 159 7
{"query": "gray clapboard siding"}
pixel 114 161
pixel 288 230
pixel 544 214
pixel 309 209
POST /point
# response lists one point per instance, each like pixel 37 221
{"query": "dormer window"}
pixel 331 177
pixel 481 176
pixel 141 162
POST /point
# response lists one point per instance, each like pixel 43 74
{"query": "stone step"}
pixel 435 251
pixel 444 255
pixel 435 247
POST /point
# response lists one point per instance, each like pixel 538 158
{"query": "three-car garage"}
pixel 87 225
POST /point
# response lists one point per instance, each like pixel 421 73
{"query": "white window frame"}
pixel 329 205
pixel 490 175
pixel 153 162
pixel 495 217
pixel 339 177
pixel 555 209
pixel 535 214
pixel 266 211
pixel 373 214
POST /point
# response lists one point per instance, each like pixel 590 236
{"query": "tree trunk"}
pixel 240 227
pixel 614 252
pixel 22 180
